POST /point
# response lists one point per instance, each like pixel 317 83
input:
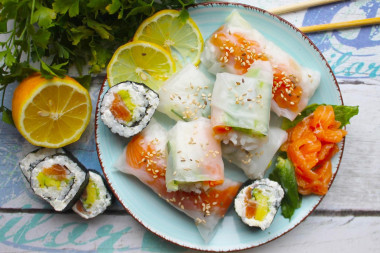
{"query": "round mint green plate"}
pixel 231 234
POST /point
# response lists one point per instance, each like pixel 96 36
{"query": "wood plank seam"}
pixel 335 213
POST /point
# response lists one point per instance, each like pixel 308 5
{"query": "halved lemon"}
pixel 51 113
pixel 142 62
pixel 182 39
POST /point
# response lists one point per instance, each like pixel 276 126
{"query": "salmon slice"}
pixel 285 90
pixel 143 155
pixel 221 130
pixel 119 110
pixel 310 146
pixel 56 171
pixel 324 125
pixel 237 50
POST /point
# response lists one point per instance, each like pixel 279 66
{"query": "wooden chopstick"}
pixel 300 6
pixel 323 27
pixel 340 25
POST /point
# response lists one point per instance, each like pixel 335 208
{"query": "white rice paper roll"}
pixel 186 95
pixel 280 60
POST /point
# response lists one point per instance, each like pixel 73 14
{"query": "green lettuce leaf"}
pixel 284 174
pixel 343 114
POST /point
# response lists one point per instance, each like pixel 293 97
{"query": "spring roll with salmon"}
pixel 195 157
pixel 236 45
pixel 145 157
pixel 240 107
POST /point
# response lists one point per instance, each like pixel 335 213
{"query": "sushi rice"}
pixel 59 180
pixel 33 158
pixel 95 199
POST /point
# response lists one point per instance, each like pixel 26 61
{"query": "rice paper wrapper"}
pixel 309 83
pixel 186 95
pixel 206 208
pixel 243 102
pixel 213 56
pixel 282 63
pixel 255 163
pixel 195 157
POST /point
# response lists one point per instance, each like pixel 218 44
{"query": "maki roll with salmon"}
pixel 257 203
pixel 33 158
pixel 127 108
pixel 95 199
pixel 60 180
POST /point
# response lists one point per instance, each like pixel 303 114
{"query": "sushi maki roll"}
pixel 257 203
pixel 95 199
pixel 127 108
pixel 60 180
pixel 33 158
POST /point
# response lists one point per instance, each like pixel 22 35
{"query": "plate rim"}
pixel 341 151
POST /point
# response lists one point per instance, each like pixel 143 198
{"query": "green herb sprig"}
pixel 51 36
pixel 343 114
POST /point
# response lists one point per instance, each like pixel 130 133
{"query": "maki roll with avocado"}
pixel 95 199
pixel 33 158
pixel 257 203
pixel 127 108
pixel 60 180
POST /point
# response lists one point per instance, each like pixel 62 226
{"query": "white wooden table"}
pixel 347 220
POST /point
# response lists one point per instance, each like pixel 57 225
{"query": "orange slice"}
pixel 51 113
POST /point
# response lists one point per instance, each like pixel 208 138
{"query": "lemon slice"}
pixel 142 62
pixel 182 39
pixel 51 113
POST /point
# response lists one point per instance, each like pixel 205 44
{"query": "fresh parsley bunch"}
pixel 50 36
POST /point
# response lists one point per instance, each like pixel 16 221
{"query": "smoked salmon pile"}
pixel 311 145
